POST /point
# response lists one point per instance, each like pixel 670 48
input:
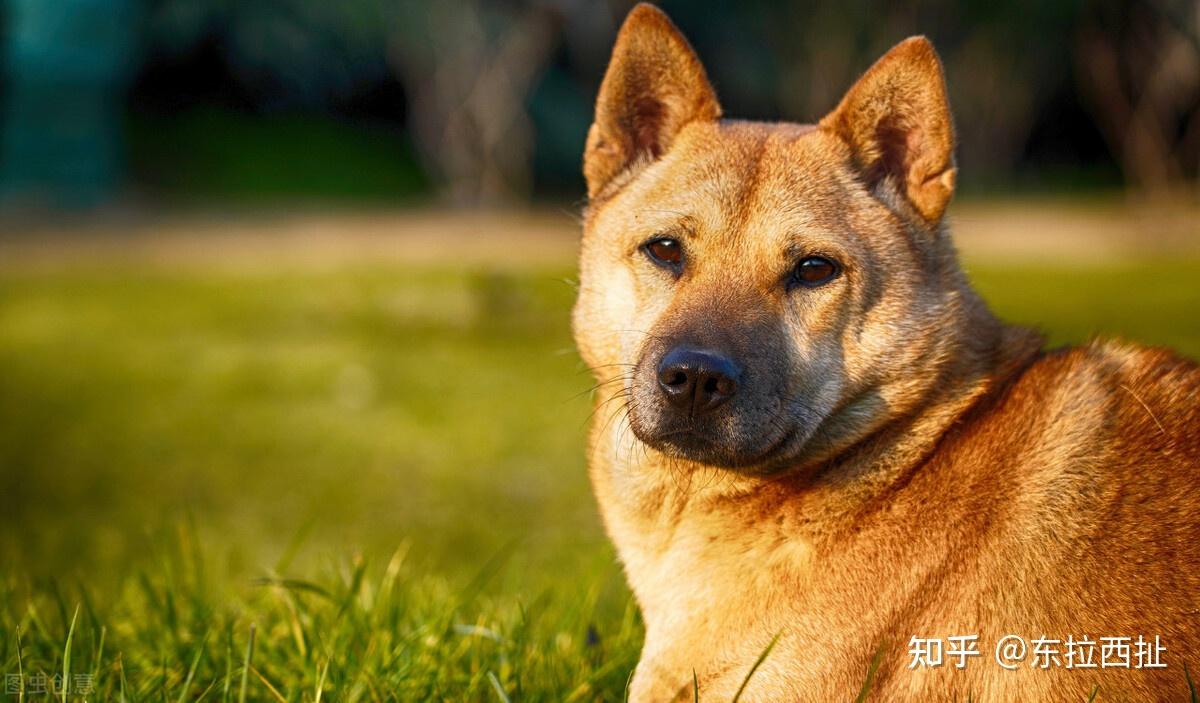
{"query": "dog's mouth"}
pixel 717 405
pixel 717 449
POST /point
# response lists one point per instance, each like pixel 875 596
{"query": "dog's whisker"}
pixel 599 385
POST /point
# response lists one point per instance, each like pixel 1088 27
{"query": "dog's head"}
pixel 766 293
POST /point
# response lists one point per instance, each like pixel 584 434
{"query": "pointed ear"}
pixel 654 86
pixel 897 122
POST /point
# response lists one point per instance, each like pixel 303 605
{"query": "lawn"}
pixel 354 482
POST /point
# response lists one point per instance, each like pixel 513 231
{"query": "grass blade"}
pixel 761 658
pixel 66 674
pixel 499 689
pixel 875 662
pixel 321 681
pixel 274 691
pixel 246 664
pixel 124 683
pixel 99 653
pixel 187 683
pixel 294 585
pixel 20 668
pixel 228 666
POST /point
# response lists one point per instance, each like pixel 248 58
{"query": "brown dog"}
pixel 811 430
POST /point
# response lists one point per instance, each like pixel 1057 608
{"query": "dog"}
pixel 819 454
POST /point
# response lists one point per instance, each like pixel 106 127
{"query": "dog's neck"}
pixel 979 359
pixel 862 474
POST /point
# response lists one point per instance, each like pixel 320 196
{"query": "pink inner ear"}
pixel 648 116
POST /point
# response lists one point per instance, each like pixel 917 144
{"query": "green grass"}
pixel 361 484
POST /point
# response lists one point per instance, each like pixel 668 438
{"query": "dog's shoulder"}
pixel 1073 420
pixel 1141 392
pixel 1106 384
pixel 1107 420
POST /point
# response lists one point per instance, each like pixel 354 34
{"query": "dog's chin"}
pixel 722 452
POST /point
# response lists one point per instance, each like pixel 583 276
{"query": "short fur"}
pixel 897 463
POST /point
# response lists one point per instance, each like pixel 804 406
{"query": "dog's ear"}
pixel 897 121
pixel 655 85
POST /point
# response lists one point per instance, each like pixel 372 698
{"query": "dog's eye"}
pixel 813 271
pixel 664 252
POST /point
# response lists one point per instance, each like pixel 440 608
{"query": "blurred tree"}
pixel 1138 63
pixel 470 66
pixel 1000 69
pixel 66 65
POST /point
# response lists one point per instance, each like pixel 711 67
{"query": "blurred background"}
pixel 473 103
pixel 285 290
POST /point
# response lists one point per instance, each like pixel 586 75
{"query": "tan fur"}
pixel 926 471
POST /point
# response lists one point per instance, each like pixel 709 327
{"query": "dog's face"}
pixel 761 293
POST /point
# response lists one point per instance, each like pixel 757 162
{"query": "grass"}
pixel 363 483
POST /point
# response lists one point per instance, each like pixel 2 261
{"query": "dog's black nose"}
pixel 697 379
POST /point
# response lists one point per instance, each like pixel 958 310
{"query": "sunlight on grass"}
pixel 379 468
